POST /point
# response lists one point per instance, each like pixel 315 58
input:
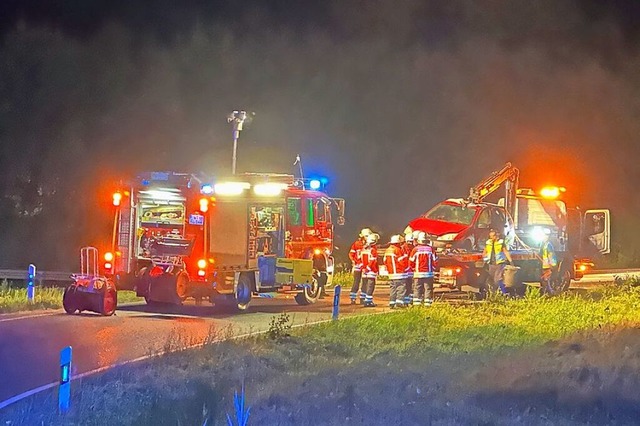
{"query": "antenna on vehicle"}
pixel 299 163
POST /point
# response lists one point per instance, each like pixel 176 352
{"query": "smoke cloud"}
pixel 400 103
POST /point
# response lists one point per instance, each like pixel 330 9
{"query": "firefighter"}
pixel 407 248
pixel 423 262
pixel 395 259
pixel 369 255
pixel 356 261
pixel 549 262
pixel 496 256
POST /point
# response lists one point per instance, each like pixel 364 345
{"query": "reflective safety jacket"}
pixel 497 246
pixel 423 261
pixel 369 255
pixel 407 248
pixel 355 254
pixel 396 261
pixel 548 255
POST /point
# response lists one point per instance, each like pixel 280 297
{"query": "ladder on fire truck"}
pixel 507 175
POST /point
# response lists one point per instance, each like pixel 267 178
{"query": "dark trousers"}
pixel 422 289
pixel 495 278
pixel 357 280
pixel 397 292
pixel 369 286
pixel 408 289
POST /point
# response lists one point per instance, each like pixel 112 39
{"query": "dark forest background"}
pixel 401 103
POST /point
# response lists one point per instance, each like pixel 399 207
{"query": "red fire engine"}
pixel 458 229
pixel 176 236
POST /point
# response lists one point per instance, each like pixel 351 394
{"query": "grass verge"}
pixel 417 366
pixel 15 299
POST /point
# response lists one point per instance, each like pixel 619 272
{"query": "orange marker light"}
pixel 583 268
pixel 317 251
pixel 117 198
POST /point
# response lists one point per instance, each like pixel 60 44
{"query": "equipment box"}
pixel 294 271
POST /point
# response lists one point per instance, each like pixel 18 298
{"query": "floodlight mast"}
pixel 237 119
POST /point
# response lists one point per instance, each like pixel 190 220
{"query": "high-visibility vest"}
pixel 497 246
pixel 548 255
pixel 395 259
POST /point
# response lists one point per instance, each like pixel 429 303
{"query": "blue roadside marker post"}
pixel 64 391
pixel 31 282
pixel 336 302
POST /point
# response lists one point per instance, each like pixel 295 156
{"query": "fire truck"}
pixel 256 234
pixel 458 229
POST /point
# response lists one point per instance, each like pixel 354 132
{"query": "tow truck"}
pixel 459 227
pixel 179 235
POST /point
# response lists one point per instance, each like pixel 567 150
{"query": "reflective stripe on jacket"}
pixel 423 261
pixel 498 246
pixel 369 261
pixel 355 255
pixel 395 259
pixel 548 255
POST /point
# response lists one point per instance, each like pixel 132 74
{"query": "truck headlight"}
pixel 448 237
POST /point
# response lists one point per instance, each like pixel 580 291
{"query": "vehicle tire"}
pixel 150 302
pixel 242 294
pixel 309 294
pixel 182 286
pixel 70 300
pixel 109 302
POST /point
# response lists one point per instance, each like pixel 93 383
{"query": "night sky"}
pixel 401 103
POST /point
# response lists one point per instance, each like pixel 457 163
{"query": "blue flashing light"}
pixel 206 189
pixel 145 182
pixel 315 184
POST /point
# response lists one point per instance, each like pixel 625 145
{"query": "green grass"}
pixel 15 299
pixel 286 372
pixel 481 326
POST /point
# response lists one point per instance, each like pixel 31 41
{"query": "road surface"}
pixel 30 343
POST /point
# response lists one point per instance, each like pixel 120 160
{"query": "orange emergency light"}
pixel 204 205
pixel 551 191
pixel 117 198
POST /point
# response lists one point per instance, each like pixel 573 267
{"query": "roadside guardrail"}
pixel 41 276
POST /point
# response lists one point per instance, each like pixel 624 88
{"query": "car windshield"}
pixel 451 213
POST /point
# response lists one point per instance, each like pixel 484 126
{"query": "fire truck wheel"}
pixel 310 294
pixel 109 302
pixel 70 300
pixel 243 293
pixel 182 283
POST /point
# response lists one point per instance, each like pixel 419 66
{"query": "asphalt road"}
pixel 30 343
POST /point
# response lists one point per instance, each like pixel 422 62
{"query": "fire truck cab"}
pixel 177 236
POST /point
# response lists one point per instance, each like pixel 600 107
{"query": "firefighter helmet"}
pixel 372 238
pixel 422 238
pixel 365 232
pixel 395 239
pixel 408 237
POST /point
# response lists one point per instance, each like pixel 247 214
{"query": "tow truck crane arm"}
pixel 508 175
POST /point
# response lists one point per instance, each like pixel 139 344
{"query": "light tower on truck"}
pixel 237 119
